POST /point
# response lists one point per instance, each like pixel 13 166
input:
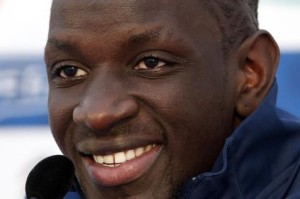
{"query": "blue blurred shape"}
pixel 289 83
pixel 23 91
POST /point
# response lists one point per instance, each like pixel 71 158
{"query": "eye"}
pixel 150 63
pixel 70 72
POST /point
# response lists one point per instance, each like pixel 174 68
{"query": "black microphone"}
pixel 51 178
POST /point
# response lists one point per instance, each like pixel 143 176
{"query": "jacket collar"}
pixel 249 159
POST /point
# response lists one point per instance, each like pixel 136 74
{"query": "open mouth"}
pixel 116 159
pixel 121 167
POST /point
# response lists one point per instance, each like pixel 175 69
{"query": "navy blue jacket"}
pixel 260 160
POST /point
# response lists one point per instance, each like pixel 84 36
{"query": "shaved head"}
pixel 237 20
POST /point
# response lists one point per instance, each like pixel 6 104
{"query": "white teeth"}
pixel 130 154
pixel 108 159
pixel 139 151
pixel 98 158
pixel 148 148
pixel 120 157
pixel 116 159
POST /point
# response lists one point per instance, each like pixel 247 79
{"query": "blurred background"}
pixel 25 137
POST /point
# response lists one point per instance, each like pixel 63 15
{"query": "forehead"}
pixel 127 6
pixel 110 24
pixel 115 12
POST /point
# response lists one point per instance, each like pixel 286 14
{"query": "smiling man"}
pixel 165 99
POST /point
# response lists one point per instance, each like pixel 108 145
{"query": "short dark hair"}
pixel 237 20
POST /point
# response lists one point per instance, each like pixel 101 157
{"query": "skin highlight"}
pixel 124 74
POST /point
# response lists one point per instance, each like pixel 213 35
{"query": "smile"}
pixel 116 159
pixel 123 166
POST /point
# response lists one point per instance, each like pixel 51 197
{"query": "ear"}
pixel 258 60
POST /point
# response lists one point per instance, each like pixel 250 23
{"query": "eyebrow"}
pixel 142 38
pixel 61 45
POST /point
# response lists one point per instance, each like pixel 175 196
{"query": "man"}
pixel 165 99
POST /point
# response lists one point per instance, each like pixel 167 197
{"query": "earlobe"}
pixel 258 61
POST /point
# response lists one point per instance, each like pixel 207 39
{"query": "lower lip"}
pixel 127 172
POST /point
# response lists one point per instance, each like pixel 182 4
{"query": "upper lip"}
pixel 96 146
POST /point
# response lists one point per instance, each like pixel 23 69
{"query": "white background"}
pixel 23 30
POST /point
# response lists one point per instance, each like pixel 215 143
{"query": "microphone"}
pixel 51 178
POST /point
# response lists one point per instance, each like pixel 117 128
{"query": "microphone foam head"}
pixel 51 178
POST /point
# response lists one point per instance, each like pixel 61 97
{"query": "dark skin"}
pixel 124 74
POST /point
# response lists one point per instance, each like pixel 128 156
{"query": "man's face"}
pixel 140 97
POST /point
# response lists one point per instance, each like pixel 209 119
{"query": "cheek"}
pixel 60 117
pixel 196 138
pixel 194 116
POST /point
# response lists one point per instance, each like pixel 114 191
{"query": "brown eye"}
pixel 70 72
pixel 149 63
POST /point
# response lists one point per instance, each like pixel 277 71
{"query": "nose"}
pixel 102 107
